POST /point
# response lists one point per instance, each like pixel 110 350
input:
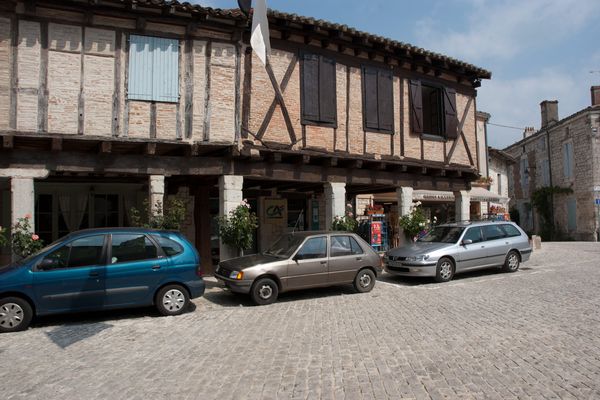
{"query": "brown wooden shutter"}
pixel 327 93
pixel 451 118
pixel 385 100
pixel 371 116
pixel 310 87
pixel 416 107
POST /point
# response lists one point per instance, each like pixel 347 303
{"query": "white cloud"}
pixel 504 29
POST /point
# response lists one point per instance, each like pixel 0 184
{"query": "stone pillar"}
pixel 156 194
pixel 335 201
pixel 230 196
pixel 405 200
pixel 22 200
pixel 463 205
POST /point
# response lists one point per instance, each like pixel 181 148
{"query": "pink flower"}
pixel 34 237
pixel 27 216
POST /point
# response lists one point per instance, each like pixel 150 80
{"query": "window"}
pixel 473 234
pixel 546 172
pixel 318 90
pixel 568 160
pixel 572 214
pixel 313 248
pixel 153 69
pixel 344 246
pixel 132 247
pixel 169 247
pixel 511 231
pixel 82 252
pixel 499 180
pixel 493 232
pixel 524 172
pixel 433 110
pixel 378 100
pixel 106 210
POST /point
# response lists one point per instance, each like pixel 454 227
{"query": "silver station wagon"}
pixel 449 249
pixel 303 260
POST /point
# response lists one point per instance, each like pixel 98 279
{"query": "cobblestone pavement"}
pixel 532 334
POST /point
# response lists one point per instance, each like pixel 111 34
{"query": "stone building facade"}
pixel 564 153
pixel 106 103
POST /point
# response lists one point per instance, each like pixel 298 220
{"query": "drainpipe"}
pixel 547 133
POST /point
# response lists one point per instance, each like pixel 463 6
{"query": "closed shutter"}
pixel 568 160
pixel 166 70
pixel 385 96
pixel 310 87
pixel 451 119
pixel 370 98
pixel 572 214
pixel 140 67
pixel 416 107
pixel 327 93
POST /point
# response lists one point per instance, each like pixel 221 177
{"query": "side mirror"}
pixel 466 242
pixel 48 263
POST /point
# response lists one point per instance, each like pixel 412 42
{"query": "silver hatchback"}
pixel 449 249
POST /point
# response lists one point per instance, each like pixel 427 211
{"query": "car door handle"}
pixel 155 267
pixel 323 262
pixel 483 247
pixel 94 274
pixel 358 258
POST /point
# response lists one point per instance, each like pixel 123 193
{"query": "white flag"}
pixel 260 31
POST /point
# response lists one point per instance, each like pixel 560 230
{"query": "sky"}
pixel 536 49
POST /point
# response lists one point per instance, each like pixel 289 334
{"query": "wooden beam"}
pixel 150 149
pixel 8 142
pixel 105 147
pixel 57 144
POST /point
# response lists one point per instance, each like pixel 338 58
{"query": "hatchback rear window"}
pixel 170 247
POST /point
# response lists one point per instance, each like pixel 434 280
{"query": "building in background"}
pixel 564 153
pixel 104 104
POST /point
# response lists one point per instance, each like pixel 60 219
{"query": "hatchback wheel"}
pixel 364 281
pixel 15 314
pixel 264 291
pixel 445 270
pixel 512 262
pixel 172 300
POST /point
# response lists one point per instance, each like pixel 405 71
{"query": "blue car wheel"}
pixel 15 314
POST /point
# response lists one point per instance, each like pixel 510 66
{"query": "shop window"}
pixel 318 90
pixel 433 110
pixel 296 213
pixel 153 69
pixel 378 100
pixel 106 210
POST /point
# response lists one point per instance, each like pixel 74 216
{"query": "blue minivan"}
pixel 101 269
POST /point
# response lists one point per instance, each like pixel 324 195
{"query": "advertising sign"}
pixel 376 232
pixel 275 208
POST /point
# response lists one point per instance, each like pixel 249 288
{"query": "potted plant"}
pixel 237 228
pixel 346 223
pixel 415 223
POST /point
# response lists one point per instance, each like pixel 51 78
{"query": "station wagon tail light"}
pixel 199 272
pixel 239 275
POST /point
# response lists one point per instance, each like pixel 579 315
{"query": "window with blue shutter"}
pixel 153 69
pixel 572 214
pixel 546 172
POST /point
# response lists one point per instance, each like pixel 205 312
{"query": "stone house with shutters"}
pixel 105 103
pixel 564 153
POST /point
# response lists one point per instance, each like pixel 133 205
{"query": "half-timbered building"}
pixel 105 103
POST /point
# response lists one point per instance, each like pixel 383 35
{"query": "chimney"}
pixel 529 130
pixel 595 95
pixel 549 112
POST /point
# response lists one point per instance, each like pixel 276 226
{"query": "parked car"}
pixel 303 260
pixel 449 249
pixel 101 269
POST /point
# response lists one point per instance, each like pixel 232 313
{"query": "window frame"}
pixel 486 239
pixel 350 239
pixel 295 256
pixel 378 70
pixel 321 120
pixel 447 96
pixel 568 155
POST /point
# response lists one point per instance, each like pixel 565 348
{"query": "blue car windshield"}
pixel 443 234
pixel 285 246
